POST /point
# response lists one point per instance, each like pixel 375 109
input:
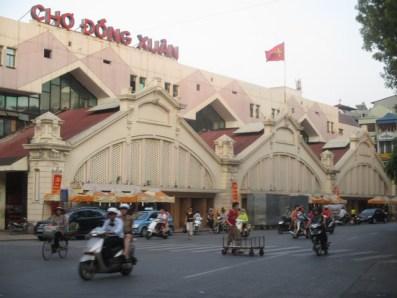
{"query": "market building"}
pixel 108 117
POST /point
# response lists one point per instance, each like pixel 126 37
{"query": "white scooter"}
pixel 92 261
pixel 197 224
pixel 155 229
pixel 243 227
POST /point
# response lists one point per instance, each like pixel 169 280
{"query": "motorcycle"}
pixel 284 224
pixel 93 262
pixel 342 220
pixel 302 228
pixel 243 227
pixel 21 226
pixel 330 225
pixel 355 220
pixel 320 247
pixel 156 228
pixel 220 225
pixel 196 224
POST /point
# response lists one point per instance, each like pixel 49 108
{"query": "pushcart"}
pixel 248 244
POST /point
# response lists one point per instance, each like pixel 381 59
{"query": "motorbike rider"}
pixel 163 217
pixel 342 213
pixel 301 220
pixel 59 220
pixel 320 218
pixel 293 218
pixel 243 216
pixel 113 226
pixel 127 226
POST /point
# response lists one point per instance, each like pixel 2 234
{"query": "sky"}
pixel 323 45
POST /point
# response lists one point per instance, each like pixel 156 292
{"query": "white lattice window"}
pixel 98 167
pixel 166 164
pixel 116 163
pixel 152 158
pixel 182 165
pixel 79 177
pixel 194 173
pixel 135 162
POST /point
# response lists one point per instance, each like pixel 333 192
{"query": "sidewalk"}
pixel 5 236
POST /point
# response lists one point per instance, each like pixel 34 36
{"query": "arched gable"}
pixel 362 179
pixel 146 161
pixel 281 172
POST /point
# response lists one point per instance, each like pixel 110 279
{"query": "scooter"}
pixel 301 229
pixel 342 220
pixel 20 226
pixel 243 227
pixel 220 225
pixel 156 228
pixel 284 224
pixel 320 246
pixel 92 261
pixel 196 224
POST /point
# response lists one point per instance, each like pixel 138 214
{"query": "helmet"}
pixel 124 206
pixel 60 208
pixel 112 210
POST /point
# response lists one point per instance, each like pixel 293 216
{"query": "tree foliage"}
pixel 379 31
pixel 391 165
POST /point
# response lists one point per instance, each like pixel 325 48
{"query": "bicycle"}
pixel 47 247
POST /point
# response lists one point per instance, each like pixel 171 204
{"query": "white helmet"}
pixel 124 206
pixel 113 210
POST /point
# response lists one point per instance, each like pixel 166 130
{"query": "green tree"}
pixel 391 165
pixel 379 30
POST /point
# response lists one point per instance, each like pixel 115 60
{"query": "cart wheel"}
pixel 261 252
pixel 251 253
pixel 224 251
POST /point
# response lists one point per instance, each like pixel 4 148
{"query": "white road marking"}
pixel 265 258
pixel 372 258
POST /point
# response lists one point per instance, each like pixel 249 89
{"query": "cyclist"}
pixel 60 221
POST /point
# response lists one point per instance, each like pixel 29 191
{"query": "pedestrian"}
pixel 210 218
pixel 189 222
pixel 231 218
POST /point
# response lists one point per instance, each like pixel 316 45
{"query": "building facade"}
pixel 111 115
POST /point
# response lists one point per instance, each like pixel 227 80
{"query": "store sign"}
pixel 56 184
pixel 101 30
pixel 235 194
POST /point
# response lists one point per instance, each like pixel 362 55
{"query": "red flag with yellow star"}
pixel 276 53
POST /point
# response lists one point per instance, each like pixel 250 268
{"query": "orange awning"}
pixel 82 198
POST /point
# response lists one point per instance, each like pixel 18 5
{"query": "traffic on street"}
pixel 362 262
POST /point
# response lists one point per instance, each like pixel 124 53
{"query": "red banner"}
pixel 235 194
pixel 56 184
pixel 276 53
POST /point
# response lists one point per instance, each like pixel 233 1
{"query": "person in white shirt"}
pixel 114 227
pixel 342 212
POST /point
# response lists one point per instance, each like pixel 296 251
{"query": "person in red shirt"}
pixel 231 219
pixel 327 212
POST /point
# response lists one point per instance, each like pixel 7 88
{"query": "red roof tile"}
pixel 75 121
pixel 242 140
pixel 317 149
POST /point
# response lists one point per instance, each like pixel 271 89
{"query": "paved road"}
pixel 362 263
